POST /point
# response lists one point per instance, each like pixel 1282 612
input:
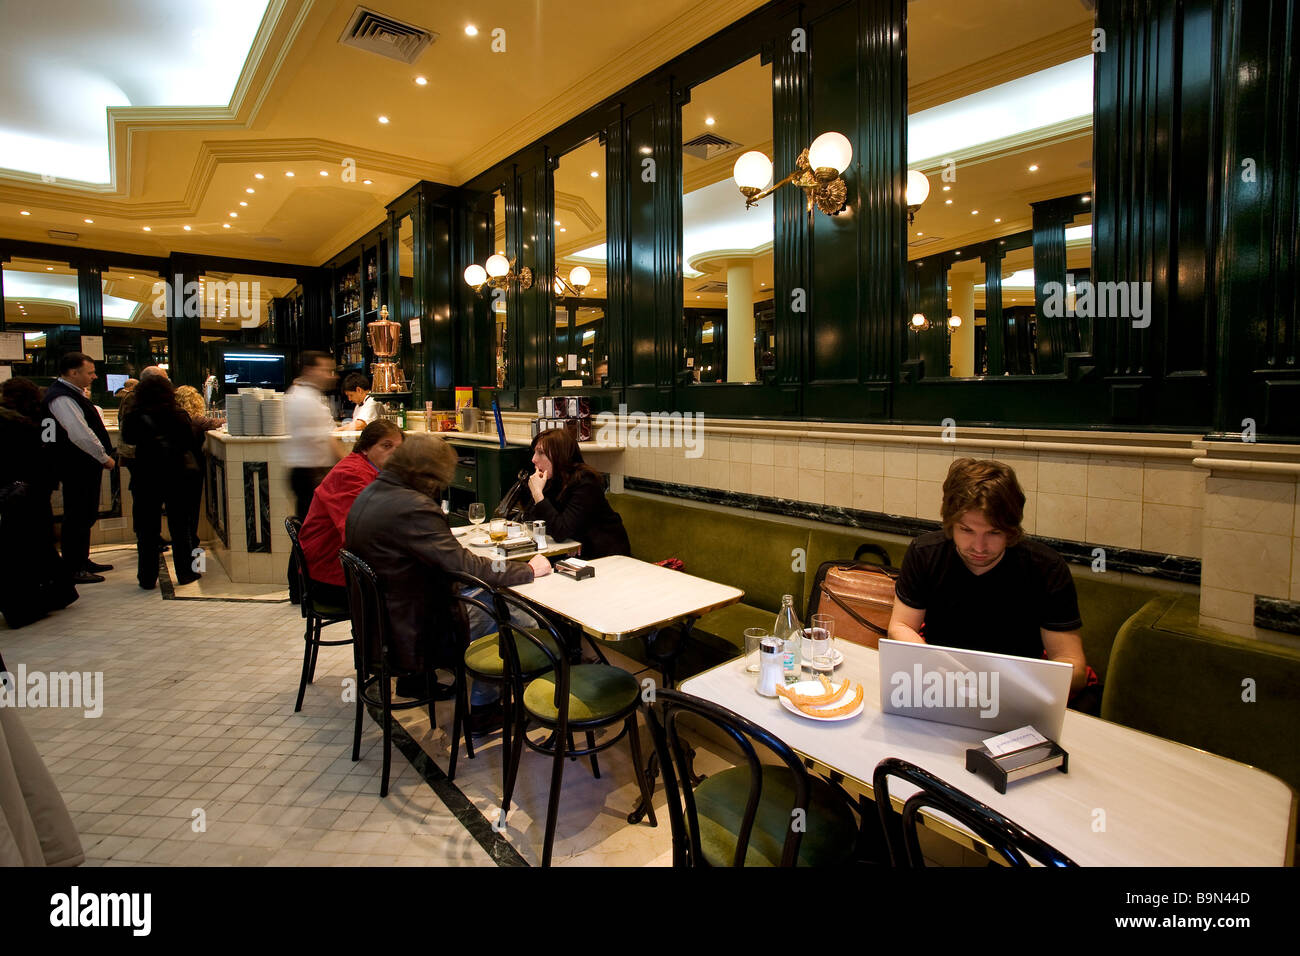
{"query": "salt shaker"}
pixel 771 666
pixel 539 534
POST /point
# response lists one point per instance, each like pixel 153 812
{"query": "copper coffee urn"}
pixel 385 340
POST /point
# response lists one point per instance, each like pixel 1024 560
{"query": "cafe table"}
pixel 1129 798
pixel 628 599
pixel 468 533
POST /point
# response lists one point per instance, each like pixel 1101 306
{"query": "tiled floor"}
pixel 198 757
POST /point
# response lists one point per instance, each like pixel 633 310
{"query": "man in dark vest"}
pixel 82 453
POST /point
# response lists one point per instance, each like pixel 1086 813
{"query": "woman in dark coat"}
pixel 191 402
pixel 33 579
pixel 164 466
pixel 569 496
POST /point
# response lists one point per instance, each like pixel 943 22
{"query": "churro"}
pixel 839 711
pixel 830 696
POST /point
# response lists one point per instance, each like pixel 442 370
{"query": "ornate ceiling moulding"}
pixel 648 54
pixel 577 206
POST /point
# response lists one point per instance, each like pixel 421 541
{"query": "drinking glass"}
pixel 477 513
pixel 822 639
pixel 498 530
pixel 753 637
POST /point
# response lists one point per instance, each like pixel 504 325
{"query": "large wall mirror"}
pixel 728 315
pixel 580 338
pixel 1000 115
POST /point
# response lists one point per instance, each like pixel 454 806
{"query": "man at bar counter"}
pixel 356 389
pixel 312 449
pixel 397 527
pixel 981 584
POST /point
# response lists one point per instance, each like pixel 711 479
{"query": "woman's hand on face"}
pixel 541 567
pixel 536 482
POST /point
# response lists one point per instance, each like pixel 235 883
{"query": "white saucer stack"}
pixel 235 415
pixel 272 415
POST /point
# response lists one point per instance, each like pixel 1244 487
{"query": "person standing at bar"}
pixel 82 453
pixel 191 402
pixel 312 449
pixel 356 389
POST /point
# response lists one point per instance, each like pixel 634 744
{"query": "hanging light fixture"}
pixel 818 172
pixel 918 190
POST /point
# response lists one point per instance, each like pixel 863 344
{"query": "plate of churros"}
pixel 822 700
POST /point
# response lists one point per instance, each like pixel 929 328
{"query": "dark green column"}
pixel 995 325
pixel 184 337
pixel 90 306
pixel 1049 270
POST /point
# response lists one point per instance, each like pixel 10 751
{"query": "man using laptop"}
pixel 979 583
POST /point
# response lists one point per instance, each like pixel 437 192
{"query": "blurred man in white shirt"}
pixel 312 449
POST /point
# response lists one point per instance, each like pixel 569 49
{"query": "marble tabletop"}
pixel 465 534
pixel 627 597
pixel 1129 799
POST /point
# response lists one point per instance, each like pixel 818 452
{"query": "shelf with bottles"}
pixel 347 288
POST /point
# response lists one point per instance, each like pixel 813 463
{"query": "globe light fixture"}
pixel 498 272
pixel 918 190
pixel 818 172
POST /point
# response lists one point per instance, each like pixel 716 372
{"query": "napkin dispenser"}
pixel 1002 769
pixel 575 568
pixel 515 546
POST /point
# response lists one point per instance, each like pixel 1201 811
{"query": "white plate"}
pixel 837 658
pixel 810 688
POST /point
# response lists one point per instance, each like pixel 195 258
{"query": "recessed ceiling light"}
pixel 234 215
pixel 368 182
pixel 997 220
pixel 947 188
pixel 562 229
pixel 147 228
pixel 947 202
pixel 130 277
pixel 1087 199
pixel 324 173
pixel 225 225
pixel 974 212
pixel 91 221
pixel 920 234
pixel 242 203
pixel 383 120
pixel 697 297
pixel 708 121
pixel 258 176
pixel 49 268
pixel 186 228
pixel 23 212
pixel 471 30
pixel 250 190
pixel 594 174
pixel 289 173
pixel 1033 168
pixel 421 81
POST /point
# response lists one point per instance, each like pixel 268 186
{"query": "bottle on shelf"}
pixel 788 630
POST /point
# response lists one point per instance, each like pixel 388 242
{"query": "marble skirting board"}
pixel 1172 567
pixel 1277 614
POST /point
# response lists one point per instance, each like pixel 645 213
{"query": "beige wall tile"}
pixel 869 492
pixel 741 449
pixel 1228 627
pixel 812 455
pixel 698 470
pixel 1173 483
pixel 812 486
pixel 785 482
pixel 929 499
pixel 1295 569
pixel 717 474
pixel 760 451
pixel 1029 522
pixel 1113 522
pixel 1063 474
pixel 839 457
pixel 868 459
pixel 899 497
pixel 1171 529
pixel 1061 516
pixel 933 462
pixel 839 489
pixel 1025 465
pixel 237 566
pixel 717 448
pixel 976 452
pixel 900 461
pixel 681 471
pixel 1246 561
pixel 1117 478
pixel 1224 605
pixel 1247 504
pixel 760 480
pixel 785 453
pixel 739 477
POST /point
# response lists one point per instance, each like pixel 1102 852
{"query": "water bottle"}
pixel 788 630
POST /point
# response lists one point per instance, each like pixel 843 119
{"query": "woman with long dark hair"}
pixel 164 465
pixel 569 495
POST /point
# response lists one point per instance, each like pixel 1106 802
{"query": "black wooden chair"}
pixel 753 814
pixel 1003 835
pixel 317 614
pixel 372 656
pixel 566 699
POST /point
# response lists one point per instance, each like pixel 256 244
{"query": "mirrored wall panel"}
pixel 579 339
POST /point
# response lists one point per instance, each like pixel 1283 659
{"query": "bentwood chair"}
pixel 317 614
pixel 1004 836
pixel 374 658
pixel 753 814
pixel 566 699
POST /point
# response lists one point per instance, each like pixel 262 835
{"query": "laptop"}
pixel 992 693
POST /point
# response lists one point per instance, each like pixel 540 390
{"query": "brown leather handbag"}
pixel 860 596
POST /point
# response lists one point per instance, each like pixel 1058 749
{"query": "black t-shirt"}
pixel 1000 610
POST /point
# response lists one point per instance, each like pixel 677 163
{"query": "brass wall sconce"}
pixel 917 192
pixel 579 279
pixel 818 172
pixel 498 272
pixel 919 323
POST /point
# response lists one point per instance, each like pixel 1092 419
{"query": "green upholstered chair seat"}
pixel 596 691
pixel 329 610
pixel 720 802
pixel 728 624
pixel 484 655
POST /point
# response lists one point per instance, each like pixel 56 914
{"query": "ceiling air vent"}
pixel 707 146
pixel 375 33
pixel 58 234
pixel 924 242
pixel 711 288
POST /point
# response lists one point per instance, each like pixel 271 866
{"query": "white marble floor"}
pixel 198 757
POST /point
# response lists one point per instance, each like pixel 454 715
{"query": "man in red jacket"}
pixel 321 536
